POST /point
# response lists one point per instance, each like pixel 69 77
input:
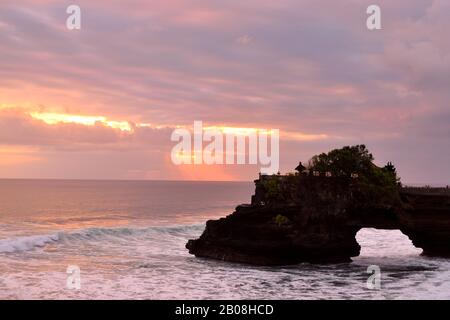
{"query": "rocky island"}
pixel 313 215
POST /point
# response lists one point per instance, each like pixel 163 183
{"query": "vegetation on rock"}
pixel 281 220
pixel 272 189
pixel 375 184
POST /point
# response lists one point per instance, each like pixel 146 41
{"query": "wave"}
pixel 28 243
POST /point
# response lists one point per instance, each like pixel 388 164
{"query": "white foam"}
pixel 27 243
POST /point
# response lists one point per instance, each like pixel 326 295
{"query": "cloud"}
pixel 308 67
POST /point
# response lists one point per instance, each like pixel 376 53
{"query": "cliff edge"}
pixel 313 216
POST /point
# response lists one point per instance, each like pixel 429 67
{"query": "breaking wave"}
pixel 27 243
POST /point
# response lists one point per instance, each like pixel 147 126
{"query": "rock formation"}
pixel 309 218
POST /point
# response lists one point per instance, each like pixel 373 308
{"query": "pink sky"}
pixel 308 68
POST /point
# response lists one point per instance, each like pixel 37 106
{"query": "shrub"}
pixel 273 191
pixel 281 220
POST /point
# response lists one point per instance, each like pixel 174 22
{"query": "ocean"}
pixel 127 239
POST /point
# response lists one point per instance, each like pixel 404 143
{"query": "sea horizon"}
pixel 406 184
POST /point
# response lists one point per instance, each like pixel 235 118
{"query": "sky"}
pixel 102 102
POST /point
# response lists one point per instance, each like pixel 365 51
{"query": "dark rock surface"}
pixel 315 219
pixel 425 219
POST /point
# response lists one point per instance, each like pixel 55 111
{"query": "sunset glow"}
pixel 55 118
pixel 245 151
pixel 319 77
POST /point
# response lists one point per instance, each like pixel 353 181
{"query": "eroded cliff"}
pixel 310 217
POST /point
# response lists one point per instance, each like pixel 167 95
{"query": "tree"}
pixel 375 184
pixel 392 171
pixel 343 162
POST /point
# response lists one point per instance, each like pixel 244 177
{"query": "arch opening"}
pixel 385 243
